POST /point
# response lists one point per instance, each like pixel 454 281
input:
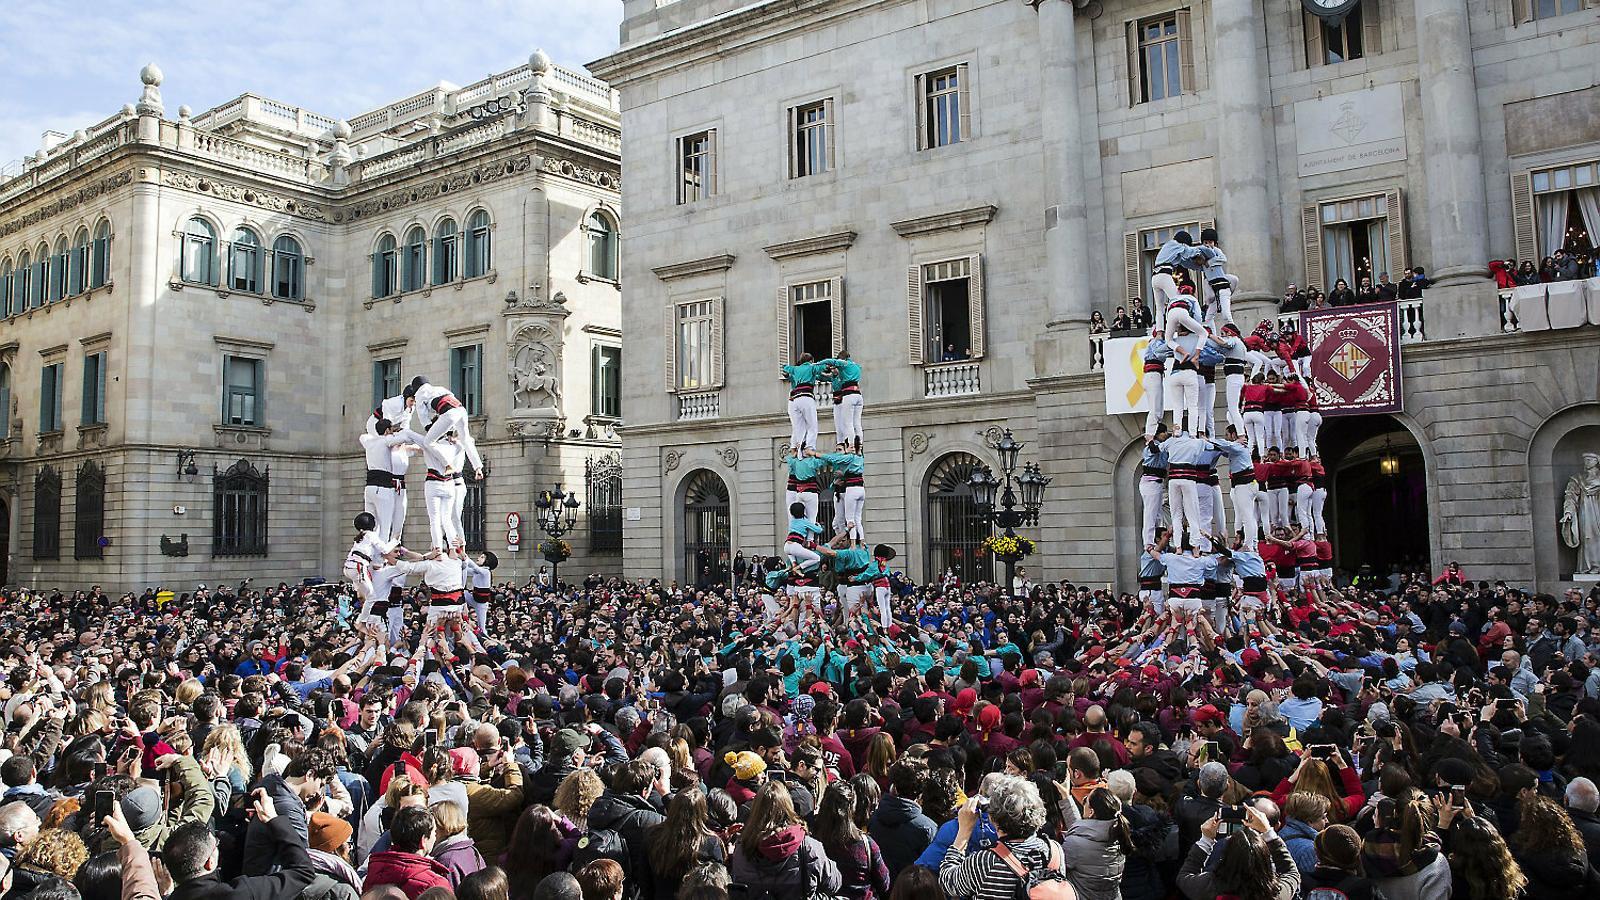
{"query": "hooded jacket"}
pixel 902 832
pixel 459 855
pixel 789 864
pixel 1093 859
pixel 412 873
pixel 630 816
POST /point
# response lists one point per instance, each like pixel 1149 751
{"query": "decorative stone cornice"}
pixel 950 220
pixel 579 171
pixel 205 184
pixel 720 262
pixel 822 243
pixel 433 187
pixel 72 200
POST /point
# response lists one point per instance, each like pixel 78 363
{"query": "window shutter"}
pixel 1186 51
pixel 1522 216
pixel 1521 11
pixel 793 116
pixel 836 313
pixel 828 132
pixel 672 348
pixel 595 378
pixel 1130 265
pixel 227 381
pixel 716 341
pixel 1311 240
pixel 1371 28
pixel 964 100
pixel 1135 95
pixel 711 163
pixel 100 390
pixel 1397 229
pixel 784 350
pixel 975 302
pixel 1316 53
pixel 919 103
pixel 914 313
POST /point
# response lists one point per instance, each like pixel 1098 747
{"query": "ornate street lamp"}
pixel 1029 484
pixel 557 513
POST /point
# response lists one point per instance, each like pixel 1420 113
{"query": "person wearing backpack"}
pixel 774 858
pixel 618 821
pixel 1337 875
pixel 1021 863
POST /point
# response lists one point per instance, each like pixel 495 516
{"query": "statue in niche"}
pixel 535 381
pixel 1580 516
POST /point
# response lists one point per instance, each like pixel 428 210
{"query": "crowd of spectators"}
pixel 1399 738
pixel 1410 287
pixel 1561 266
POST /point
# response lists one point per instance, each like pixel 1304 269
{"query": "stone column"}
pixel 1066 216
pixel 1244 131
pixel 1457 255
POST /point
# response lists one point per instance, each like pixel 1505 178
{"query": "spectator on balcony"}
pixel 1566 265
pixel 1120 322
pixel 1527 273
pixel 951 354
pixel 1547 270
pixel 1140 318
pixel 1504 273
pixel 1412 284
pixel 1097 323
pixel 1315 298
pixel 1293 300
pixel 1367 292
pixel 1387 290
pixel 1341 295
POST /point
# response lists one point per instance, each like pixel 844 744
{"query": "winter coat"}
pixel 789 864
pixel 492 812
pixel 630 816
pixel 412 873
pixel 1154 838
pixel 1093 859
pixel 1353 886
pixel 1197 883
pixel 902 832
pixel 1554 876
pixel 863 875
pixel 1433 880
pixel 1302 841
pixel 295 871
pixel 1589 826
pixel 460 856
pixel 260 847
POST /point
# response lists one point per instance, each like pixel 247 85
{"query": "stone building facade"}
pixel 961 183
pixel 201 310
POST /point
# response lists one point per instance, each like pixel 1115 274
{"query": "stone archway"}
pixel 1554 456
pixel 706 528
pixel 1378 511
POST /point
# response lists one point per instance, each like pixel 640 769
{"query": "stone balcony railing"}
pixel 1413 321
pixel 1551 307
pixel 699 406
pixel 951 379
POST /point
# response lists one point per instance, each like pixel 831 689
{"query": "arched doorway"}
pixel 1377 511
pixel 955 530
pixel 707 529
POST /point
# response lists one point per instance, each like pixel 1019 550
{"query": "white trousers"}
pixel 1302 508
pixel 808 499
pixel 1184 498
pixel 441 499
pixel 1276 436
pixel 1179 317
pixel 1207 508
pixel 458 505
pixel 397 523
pixel 1234 387
pixel 1279 497
pixel 360 575
pixel 1319 499
pixel 1163 290
pixel 1244 512
pixel 847 418
pixel 480 613
pixel 1187 382
pixel 1219 512
pixel 380 502
pixel 855 507
pixel 1208 405
pixel 1153 390
pixel 801 555
pixel 802 422
pixel 1313 425
pixel 1302 432
pixel 1152 493
pixel 1263 506
pixel 1255 431
pixel 885 619
pixel 456 420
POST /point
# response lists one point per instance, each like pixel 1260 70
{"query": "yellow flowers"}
pixel 1004 545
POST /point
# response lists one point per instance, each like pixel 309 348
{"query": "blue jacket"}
pixel 1302 841
pixel 1175 254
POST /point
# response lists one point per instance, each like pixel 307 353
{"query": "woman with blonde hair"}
pixel 223 758
pixel 684 775
pixel 775 854
pixel 452 845
pixel 402 792
pixel 576 793
pixel 1330 777
pixel 55 852
pixel 880 756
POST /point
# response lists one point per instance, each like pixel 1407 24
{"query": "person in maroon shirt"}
pixel 1095 729
pixel 825 716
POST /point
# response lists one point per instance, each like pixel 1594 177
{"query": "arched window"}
pixel 383 268
pixel 8 287
pixel 244 261
pixel 288 269
pixel 41 274
pixel 239 511
pixel 604 478
pixel 47 514
pixel 199 255
pixel 23 299
pixel 79 279
pixel 478 244
pixel 707 529
pixel 89 508
pixel 100 263
pixel 446 243
pixel 59 264
pixel 602 246
pixel 955 527
pixel 5 401
pixel 415 269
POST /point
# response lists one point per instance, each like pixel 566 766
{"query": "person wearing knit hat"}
pixel 328 833
pixel 749 774
pixel 1338 866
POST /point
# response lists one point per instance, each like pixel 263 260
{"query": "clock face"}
pixel 1329 7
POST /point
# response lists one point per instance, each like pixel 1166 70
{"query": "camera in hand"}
pixel 1322 751
pixel 1505 703
pixel 103 801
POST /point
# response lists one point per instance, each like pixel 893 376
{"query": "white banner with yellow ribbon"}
pixel 1125 375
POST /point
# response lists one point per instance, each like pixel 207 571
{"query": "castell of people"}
pixel 800 450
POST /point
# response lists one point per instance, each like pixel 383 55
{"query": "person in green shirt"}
pixel 802 378
pixel 847 400
pixel 850 468
pixel 860 571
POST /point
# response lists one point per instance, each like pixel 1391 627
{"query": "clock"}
pixel 1331 11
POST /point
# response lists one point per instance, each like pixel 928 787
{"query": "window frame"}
pixel 197 257
pixel 385 272
pixel 47 513
pixel 477 259
pixel 93 411
pixel 919 334
pixel 446 252
pixel 240 511
pixel 52 382
pixel 100 260
pixel 6 380
pixel 811 142
pixel 256 394
pixel 1313 221
pixel 60 264
pixel 706 187
pixel 604 485
pixel 467 382
pixel 695 310
pixel 78 263
pixel 8 286
pixel 1139 86
pixel 611 271
pixel 414 260
pixel 926 102
pixel 88 511
pixel 380 380
pixel 244 246
pixel 599 379
pixel 294 260
pixel 24 282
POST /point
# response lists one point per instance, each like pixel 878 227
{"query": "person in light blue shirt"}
pixel 848 403
pixel 803 535
pixel 802 377
pixel 1302 707
pixel 1156 356
pixel 1219 284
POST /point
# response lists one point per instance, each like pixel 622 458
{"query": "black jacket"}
pixel 1353 886
pixel 1589 826
pixel 902 832
pixel 260 842
pixel 1190 813
pixel 630 816
pixel 294 874
pixel 1557 877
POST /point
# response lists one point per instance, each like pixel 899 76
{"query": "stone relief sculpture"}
pixel 534 372
pixel 1580 516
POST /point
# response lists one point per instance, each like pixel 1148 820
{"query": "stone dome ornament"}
pixel 150 100
pixel 151 75
pixel 184 112
pixel 539 62
pixel 341 130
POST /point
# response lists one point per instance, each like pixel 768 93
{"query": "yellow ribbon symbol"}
pixel 1136 363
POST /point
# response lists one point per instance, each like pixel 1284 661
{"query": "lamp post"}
pixel 1025 488
pixel 557 515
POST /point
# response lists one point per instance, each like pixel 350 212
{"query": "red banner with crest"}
pixel 1355 358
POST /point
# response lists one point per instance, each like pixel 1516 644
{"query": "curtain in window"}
pixel 1552 221
pixel 1589 206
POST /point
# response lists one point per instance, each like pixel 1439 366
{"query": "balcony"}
pixel 699 406
pixel 1551 307
pixel 953 379
pixel 1411 316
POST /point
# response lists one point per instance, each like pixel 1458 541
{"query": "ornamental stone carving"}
pixel 729 456
pixel 673 459
pixel 72 200
pixel 1580 516
pixel 422 193
pixel 535 368
pixel 240 194
pixel 919 442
